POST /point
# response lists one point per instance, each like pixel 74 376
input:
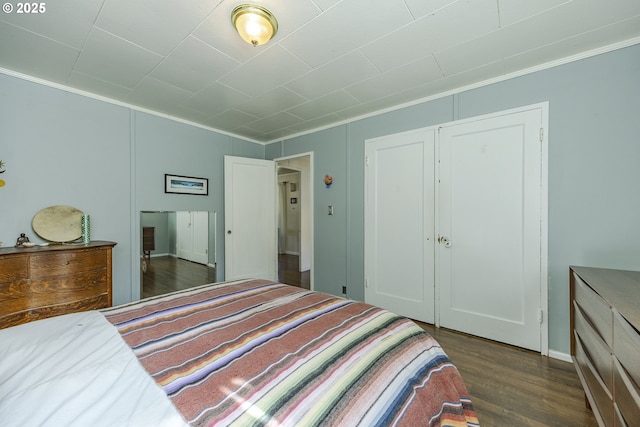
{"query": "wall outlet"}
pixel 344 290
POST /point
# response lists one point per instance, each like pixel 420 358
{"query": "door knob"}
pixel 444 241
pixel 228 231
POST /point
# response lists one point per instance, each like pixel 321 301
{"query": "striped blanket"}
pixel 261 353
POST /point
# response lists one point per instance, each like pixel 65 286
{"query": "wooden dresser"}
pixel 148 241
pixel 605 341
pixel 46 281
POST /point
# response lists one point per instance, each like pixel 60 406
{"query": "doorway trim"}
pixel 309 177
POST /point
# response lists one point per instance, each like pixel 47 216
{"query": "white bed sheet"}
pixel 75 370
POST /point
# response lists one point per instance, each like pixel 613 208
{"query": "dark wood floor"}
pixel 288 272
pixel 509 386
pixel 167 274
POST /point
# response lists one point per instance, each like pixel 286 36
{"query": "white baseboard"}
pixel 560 356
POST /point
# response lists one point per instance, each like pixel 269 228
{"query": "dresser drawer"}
pixel 56 290
pixel 13 269
pixel 596 310
pixel 600 396
pixel 65 263
pixel 38 313
pixel 627 395
pixel 595 348
pixel 627 346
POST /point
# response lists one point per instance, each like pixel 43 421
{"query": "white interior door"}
pixel 184 235
pixel 489 269
pixel 192 236
pixel 250 218
pixel 399 224
pixel 200 249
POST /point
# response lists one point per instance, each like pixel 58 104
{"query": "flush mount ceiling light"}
pixel 255 24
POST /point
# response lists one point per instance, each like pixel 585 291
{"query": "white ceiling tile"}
pixel 316 123
pixel 587 14
pixel 465 78
pixel 253 134
pixel 230 119
pixel 263 73
pixel 193 65
pixel 393 81
pixel 190 115
pixel 155 25
pixel 420 8
pixel 279 134
pixel 368 107
pixel 512 11
pixel 515 39
pixel 324 105
pixel 34 55
pixel 344 71
pixel 275 122
pixel 275 100
pixel 599 37
pixel 65 21
pixel 346 27
pixel 326 4
pixel 449 26
pixel 157 95
pixel 115 60
pixel 215 99
pixel 97 86
pixel 290 15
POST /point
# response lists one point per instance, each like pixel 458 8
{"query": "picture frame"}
pixel 179 184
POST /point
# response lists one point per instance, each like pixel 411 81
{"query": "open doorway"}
pixel 295 234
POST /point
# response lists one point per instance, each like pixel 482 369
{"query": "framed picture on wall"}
pixel 186 185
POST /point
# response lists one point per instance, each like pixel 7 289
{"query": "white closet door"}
pixel 399 224
pixel 184 235
pixel 250 218
pixel 489 269
pixel 192 241
pixel 200 250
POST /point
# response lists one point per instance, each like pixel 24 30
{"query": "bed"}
pixel 248 352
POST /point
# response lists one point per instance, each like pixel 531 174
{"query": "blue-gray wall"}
pixel 64 149
pixel 109 161
pixel 594 171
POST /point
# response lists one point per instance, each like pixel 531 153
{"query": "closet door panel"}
pixel 489 269
pixel 399 224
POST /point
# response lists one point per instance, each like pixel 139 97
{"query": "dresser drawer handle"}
pixel 67 263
